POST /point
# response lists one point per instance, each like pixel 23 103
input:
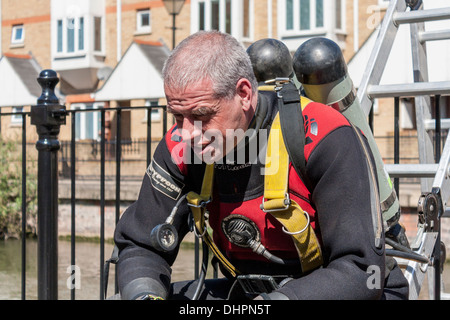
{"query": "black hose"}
pixel 403 252
pixel 407 255
pixel 278 260
pixel 201 279
pixel 397 245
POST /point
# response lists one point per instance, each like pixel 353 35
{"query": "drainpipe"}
pixel 119 29
pixel 1 52
pixel 269 18
pixel 355 25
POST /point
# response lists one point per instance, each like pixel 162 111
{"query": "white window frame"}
pixel 102 34
pixel 383 3
pixel 236 17
pixel 66 24
pixel 296 31
pixel 251 20
pixel 141 29
pixel 407 114
pixel 328 29
pixel 14 30
pixel 82 135
pixel 16 119
pixel 343 17
pixel 155 112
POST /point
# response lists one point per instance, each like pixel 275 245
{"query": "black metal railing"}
pixel 107 148
pixel 111 151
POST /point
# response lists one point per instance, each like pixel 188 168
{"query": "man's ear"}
pixel 245 93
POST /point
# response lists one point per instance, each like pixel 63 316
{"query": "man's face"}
pixel 204 121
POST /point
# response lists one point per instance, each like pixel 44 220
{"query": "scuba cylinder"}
pixel 321 69
pixel 271 62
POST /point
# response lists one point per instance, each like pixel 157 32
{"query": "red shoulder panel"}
pixel 177 148
pixel 319 121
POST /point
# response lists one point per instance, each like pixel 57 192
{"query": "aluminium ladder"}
pixel 434 173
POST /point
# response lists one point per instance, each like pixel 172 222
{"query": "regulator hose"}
pixel 258 248
pixel 201 279
pixel 401 251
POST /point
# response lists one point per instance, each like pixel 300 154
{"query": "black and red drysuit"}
pixel 339 201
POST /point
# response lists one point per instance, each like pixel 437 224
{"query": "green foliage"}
pixel 11 192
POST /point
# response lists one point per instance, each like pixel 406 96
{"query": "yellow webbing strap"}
pixel 197 203
pixel 294 220
pixel 266 88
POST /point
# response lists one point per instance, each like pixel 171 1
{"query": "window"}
pixel 246 19
pixel 59 36
pixel 304 15
pixel 289 14
pixel 383 3
pixel 70 35
pixel 319 12
pixel 97 34
pixel 143 21
pixel 78 34
pixel 407 113
pixel 339 15
pixel 81 34
pixel 201 16
pixel 87 123
pixel 229 16
pixel 17 118
pixel 155 114
pixel 17 34
pixel 215 14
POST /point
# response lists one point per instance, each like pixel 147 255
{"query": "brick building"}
pixel 93 47
pixel 84 41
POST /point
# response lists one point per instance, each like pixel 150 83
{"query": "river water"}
pixel 88 262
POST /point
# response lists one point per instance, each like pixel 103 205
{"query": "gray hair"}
pixel 209 55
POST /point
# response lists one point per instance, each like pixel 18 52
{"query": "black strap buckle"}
pixel 255 284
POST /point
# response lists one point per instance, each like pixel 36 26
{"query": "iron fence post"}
pixel 48 115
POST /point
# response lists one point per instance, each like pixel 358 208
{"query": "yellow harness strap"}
pixel 198 207
pixel 276 201
pixel 266 88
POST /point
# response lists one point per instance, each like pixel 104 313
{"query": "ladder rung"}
pixel 421 15
pixel 446 213
pixel 434 35
pixel 431 124
pixel 409 89
pixel 412 170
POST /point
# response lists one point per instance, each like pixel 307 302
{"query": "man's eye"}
pixel 201 117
